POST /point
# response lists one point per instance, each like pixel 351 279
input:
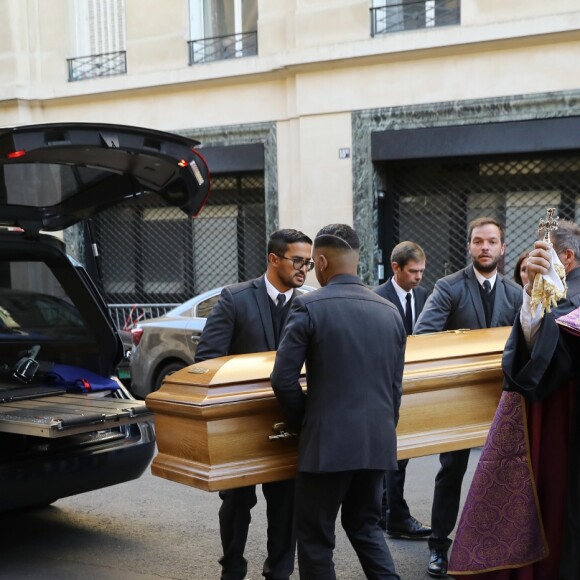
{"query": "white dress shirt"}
pixel 402 294
pixel 273 292
pixel 481 279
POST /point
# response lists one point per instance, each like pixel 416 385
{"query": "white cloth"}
pixel 531 319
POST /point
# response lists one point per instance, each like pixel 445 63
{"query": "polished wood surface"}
pixel 214 420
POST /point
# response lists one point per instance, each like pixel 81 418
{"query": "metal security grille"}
pixel 432 204
pixel 153 257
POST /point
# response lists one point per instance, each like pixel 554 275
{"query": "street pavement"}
pixel 153 529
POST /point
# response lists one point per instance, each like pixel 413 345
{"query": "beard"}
pixel 486 268
pixel 295 281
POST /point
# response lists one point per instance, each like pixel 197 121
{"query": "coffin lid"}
pixel 245 377
pixel 55 175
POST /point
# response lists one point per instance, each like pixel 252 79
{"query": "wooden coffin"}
pixel 214 420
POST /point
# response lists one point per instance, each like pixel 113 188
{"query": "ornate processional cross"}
pixel 549 224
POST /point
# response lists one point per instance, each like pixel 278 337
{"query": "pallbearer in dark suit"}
pixel 249 317
pixel 403 290
pixel 460 300
pixel 353 344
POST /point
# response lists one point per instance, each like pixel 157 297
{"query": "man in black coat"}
pixel 542 362
pixel 249 317
pixel 404 291
pixel 475 297
pixel 353 344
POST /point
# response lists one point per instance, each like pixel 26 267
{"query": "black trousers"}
pixel 235 518
pixel 394 507
pixel 447 496
pixel 319 496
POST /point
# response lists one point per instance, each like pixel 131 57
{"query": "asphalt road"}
pixel 156 529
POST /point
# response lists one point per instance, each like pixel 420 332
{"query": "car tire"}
pixel 166 370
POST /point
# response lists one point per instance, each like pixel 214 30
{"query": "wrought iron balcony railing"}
pixel 399 15
pixel 223 47
pixel 97 65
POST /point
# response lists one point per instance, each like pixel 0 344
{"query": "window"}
pixel 204 308
pixel 26 314
pixel 397 15
pixel 222 29
pixel 99 39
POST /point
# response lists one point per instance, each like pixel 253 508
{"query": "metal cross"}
pixel 549 224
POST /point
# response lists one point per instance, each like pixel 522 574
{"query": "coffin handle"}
pixel 281 432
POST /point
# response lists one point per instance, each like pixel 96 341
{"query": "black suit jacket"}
pixel 353 344
pixel 456 303
pixel 555 354
pixel 387 290
pixel 240 323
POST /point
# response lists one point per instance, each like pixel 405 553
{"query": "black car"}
pixel 67 425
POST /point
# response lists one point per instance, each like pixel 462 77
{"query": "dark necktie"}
pixel 280 301
pixel 488 305
pixel 408 314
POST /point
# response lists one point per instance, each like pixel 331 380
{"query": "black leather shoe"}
pixel 410 529
pixel 437 564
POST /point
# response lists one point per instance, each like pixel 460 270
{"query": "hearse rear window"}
pixel 26 312
pixel 45 184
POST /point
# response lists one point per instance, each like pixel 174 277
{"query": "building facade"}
pixel 404 118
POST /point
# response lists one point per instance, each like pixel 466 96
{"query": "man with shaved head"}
pixel 353 344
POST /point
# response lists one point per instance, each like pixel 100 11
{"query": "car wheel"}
pixel 168 369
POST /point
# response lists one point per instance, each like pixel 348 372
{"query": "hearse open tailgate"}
pixel 69 414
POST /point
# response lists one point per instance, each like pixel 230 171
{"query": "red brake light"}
pixel 16 154
pixel 136 334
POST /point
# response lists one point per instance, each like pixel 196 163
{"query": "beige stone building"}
pixel 404 118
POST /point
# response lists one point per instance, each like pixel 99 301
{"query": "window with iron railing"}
pixel 222 29
pixel 388 16
pixel 97 65
pixel 99 39
pixel 223 47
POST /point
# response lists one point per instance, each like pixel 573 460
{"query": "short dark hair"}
pixel 567 236
pixel 280 239
pixel 338 236
pixel 405 252
pixel 517 274
pixel 484 221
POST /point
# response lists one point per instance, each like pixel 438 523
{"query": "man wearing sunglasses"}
pixel 249 317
